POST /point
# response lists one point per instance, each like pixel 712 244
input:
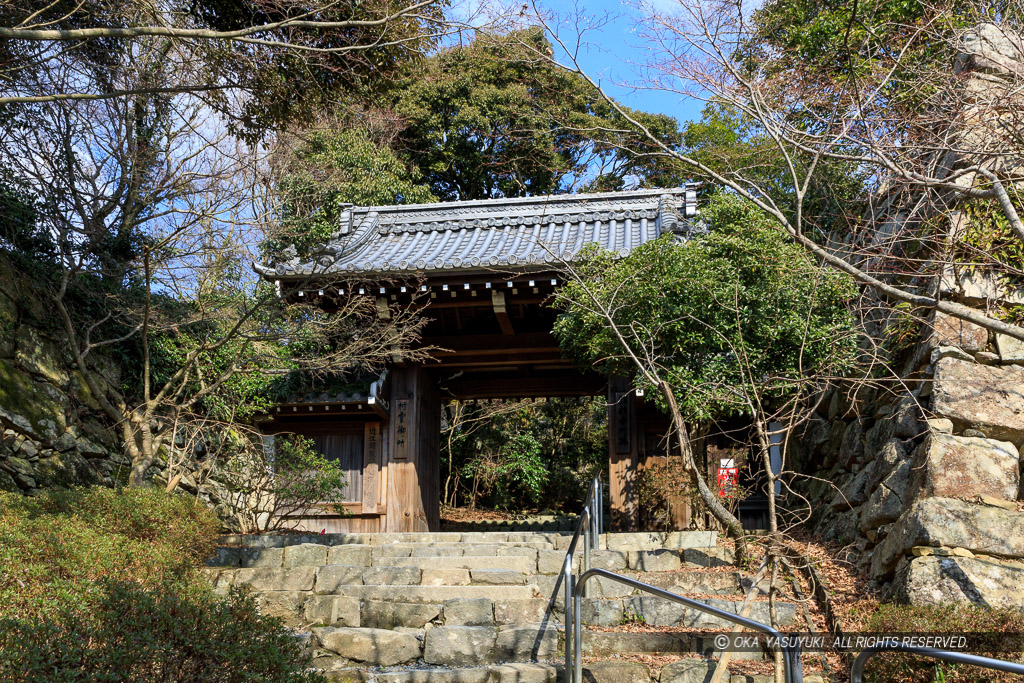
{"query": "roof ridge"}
pixel 542 200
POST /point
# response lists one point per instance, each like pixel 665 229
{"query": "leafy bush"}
pixel 102 585
pixel 63 543
pixel 517 474
pixel 137 634
pixel 955 619
pixel 274 489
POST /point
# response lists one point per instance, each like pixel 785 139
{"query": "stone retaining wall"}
pixel 928 469
pixel 53 433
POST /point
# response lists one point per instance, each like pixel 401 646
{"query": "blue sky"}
pixel 615 49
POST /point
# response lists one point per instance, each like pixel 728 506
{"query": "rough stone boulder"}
pixel 961 467
pixel 950 331
pixel 987 398
pixel 990 48
pixel 65 469
pixel 985 581
pixel 951 523
pixel 1011 350
pixel 852 493
pixel 887 499
pixel 379 647
pixel 33 408
pixel 887 459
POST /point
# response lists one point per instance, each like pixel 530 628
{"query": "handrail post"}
pixel 790 650
pixel 567 578
pixel 592 503
pixel 577 637
pixel 589 527
pixel 794 667
pixel 586 549
pixel 857 670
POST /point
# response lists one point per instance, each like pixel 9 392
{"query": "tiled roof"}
pixel 524 233
pixel 368 390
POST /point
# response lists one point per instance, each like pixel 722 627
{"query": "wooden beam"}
pixel 492 343
pixel 512 364
pixel 481 303
pixel 383 312
pixel 498 301
pixel 500 351
pixel 557 382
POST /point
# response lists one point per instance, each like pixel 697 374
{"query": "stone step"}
pixel 302 609
pixel 659 539
pixel 656 611
pixel 687 581
pixel 315 554
pixel 688 670
pixel 471 646
pixel 338 579
pixel 282 540
pixel 511 672
pixel 387 583
pixel 391 607
pixel 512 557
pixel 518 563
pixel 448 646
pixel 333 578
pixel 557 540
pixel 439 593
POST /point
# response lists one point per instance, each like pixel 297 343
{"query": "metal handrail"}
pixel 589 526
pixel 790 650
pixel 857 670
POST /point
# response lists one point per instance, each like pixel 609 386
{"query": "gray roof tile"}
pixel 461 237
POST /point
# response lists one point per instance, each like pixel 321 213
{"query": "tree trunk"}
pixel 724 517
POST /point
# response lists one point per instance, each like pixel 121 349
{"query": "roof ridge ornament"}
pixel 691 199
pixel 345 219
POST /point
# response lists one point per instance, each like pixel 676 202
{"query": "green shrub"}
pixel 138 634
pixel 274 490
pixel 954 619
pixel 102 585
pixel 65 541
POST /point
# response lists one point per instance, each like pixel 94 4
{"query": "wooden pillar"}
pixel 623 455
pixel 413 453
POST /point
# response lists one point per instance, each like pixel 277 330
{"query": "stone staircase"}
pixel 482 607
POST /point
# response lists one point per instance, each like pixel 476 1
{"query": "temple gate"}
pixel 484 273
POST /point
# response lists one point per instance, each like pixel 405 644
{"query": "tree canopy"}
pixel 494 118
pixel 731 314
pixel 261 65
pixel 321 170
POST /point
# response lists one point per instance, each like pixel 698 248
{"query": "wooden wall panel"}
pixel 356 524
pixel 679 510
pixel 348 452
pixel 623 455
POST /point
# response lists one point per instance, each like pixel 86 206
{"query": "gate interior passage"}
pixel 484 273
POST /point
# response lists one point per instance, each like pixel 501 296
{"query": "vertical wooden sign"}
pixel 371 467
pixel 402 429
